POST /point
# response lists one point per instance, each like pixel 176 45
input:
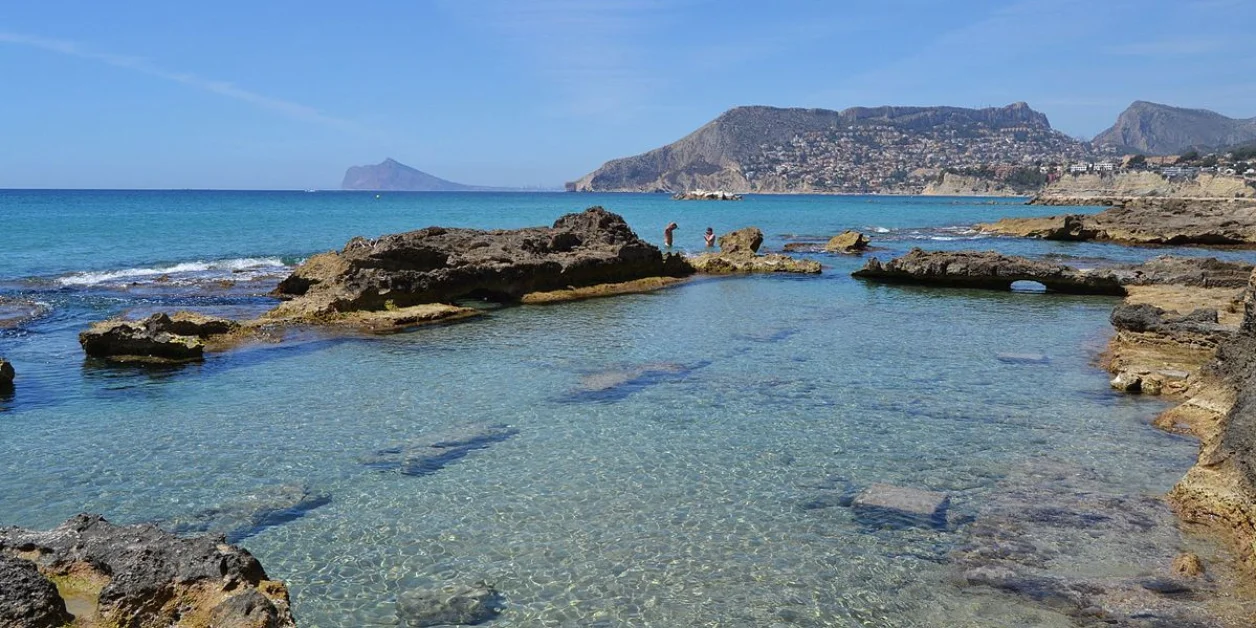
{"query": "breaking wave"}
pixel 245 268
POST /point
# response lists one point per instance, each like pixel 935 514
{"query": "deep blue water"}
pixel 666 443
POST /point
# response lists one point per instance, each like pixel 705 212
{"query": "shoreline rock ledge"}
pixel 440 265
pixel 987 271
pixel 1217 222
pixel 95 573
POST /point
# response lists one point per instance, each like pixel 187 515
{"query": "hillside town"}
pixel 889 160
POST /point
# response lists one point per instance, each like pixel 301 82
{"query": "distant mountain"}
pixel 881 149
pixel 394 176
pixel 1155 129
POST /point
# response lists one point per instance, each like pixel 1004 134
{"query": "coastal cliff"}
pixel 963 185
pixel 1104 189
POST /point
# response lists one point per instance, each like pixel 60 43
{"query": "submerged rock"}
pixel 7 374
pixel 439 265
pixel 616 384
pixel 143 576
pixel 898 506
pixel 14 312
pixel 847 242
pixel 240 520
pixel 433 453
pixel 161 336
pixel 455 605
pixel 27 598
pixel 1023 358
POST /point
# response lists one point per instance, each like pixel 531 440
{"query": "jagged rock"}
pixel 433 453
pixel 740 263
pixel 706 195
pixel 456 605
pixel 438 265
pixel 847 242
pixel 1127 382
pixel 150 577
pixel 987 270
pixel 250 609
pixel 27 598
pixel 7 374
pixel 1145 221
pixel 1199 327
pixel 747 240
pixel 149 338
pixel 1197 272
pixel 883 504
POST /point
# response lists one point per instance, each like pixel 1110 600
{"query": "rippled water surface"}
pixel 676 453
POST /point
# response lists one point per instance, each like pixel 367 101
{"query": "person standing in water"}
pixel 667 234
pixel 710 237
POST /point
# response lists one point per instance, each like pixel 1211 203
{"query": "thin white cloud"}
pixel 286 108
pixel 1169 47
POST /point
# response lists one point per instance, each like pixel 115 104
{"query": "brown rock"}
pixel 1146 221
pixel 1188 564
pixel 847 242
pixel 150 338
pixel 987 270
pixel 746 240
pixel 741 263
pixel 438 265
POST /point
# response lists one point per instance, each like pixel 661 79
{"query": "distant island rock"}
pixel 394 176
pixel 1155 129
pixel 858 150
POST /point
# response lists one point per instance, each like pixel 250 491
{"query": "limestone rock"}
pixel 901 506
pixel 1188 564
pixel 27 598
pixel 987 270
pixel 1146 221
pixel 456 605
pixel 1127 382
pixel 439 265
pixel 741 263
pixel 154 578
pixel 150 338
pixel 744 240
pixel 847 242
pixel 706 195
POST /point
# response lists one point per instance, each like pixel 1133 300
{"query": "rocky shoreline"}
pixel 1209 222
pixel 1185 330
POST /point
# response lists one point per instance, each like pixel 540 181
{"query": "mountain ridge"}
pixel 1158 129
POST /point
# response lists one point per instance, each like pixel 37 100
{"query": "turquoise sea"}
pixel 688 492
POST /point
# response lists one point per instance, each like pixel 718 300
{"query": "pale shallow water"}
pixel 680 499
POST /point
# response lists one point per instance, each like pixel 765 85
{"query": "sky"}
pixel 288 94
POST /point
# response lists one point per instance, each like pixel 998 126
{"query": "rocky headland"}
pixel 95 574
pixel 1213 222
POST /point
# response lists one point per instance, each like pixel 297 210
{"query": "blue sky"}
pixel 287 94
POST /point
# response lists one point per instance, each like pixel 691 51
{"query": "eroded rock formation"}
pixel 138 576
pixel 1145 221
pixel 986 270
pixel 161 336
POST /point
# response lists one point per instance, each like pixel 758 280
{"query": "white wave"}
pixel 251 265
pixel 880 230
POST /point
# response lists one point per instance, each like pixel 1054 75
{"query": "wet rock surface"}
pixel 432 453
pixel 176 337
pixel 1146 221
pixel 27 598
pixel 745 263
pixel 7 374
pixel 848 242
pixel 16 311
pixel 995 271
pixel 985 270
pixel 897 506
pixel 439 265
pixel 142 576
pixel 454 605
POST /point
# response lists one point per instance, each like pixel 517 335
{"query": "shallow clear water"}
pixel 679 497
